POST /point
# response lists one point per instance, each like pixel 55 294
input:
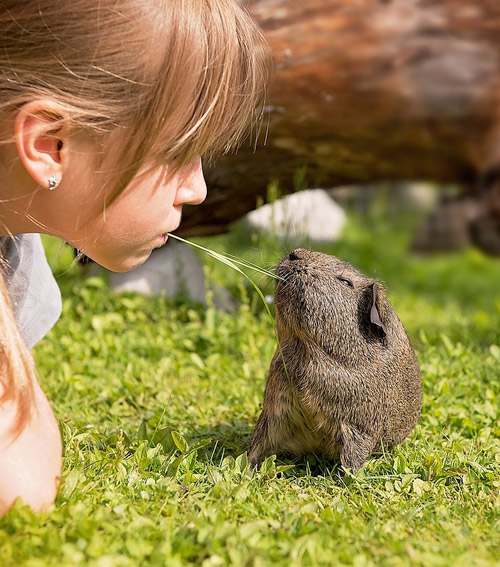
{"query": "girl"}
pixel 105 111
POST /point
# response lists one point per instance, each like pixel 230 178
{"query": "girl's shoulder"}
pixel 33 291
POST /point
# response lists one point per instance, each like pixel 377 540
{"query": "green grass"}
pixel 157 399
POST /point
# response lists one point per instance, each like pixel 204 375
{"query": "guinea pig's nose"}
pixel 295 254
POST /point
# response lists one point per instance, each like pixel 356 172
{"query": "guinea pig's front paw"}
pixel 255 455
pixel 356 447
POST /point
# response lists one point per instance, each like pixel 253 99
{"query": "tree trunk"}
pixel 366 91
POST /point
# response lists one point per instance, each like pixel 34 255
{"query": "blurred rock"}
pixel 416 196
pixel 447 228
pixel 171 271
pixel 307 215
pixel 485 224
pixel 400 196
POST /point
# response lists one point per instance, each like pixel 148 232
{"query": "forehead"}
pixel 341 267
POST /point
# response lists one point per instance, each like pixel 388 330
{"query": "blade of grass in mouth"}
pixel 229 260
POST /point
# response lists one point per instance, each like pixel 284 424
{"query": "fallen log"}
pixel 367 91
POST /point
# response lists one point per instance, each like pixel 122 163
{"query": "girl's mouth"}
pixel 161 240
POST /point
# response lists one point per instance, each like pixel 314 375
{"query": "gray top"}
pixel 33 291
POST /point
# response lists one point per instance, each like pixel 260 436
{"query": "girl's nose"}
pixel 192 185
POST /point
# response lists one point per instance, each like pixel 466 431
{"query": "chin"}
pixel 123 264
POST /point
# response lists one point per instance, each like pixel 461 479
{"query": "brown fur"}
pixel 344 379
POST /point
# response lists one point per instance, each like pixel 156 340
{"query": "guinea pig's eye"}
pixel 345 281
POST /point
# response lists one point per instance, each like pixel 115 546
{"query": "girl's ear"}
pixel 40 135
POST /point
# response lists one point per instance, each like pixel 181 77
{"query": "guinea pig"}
pixel 344 381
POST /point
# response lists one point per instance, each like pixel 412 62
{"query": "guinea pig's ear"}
pixel 375 311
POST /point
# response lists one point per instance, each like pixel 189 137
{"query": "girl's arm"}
pixel 30 464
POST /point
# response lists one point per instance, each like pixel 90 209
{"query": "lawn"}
pixel 157 399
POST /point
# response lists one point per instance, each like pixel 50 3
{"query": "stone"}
pixel 171 271
pixel 310 215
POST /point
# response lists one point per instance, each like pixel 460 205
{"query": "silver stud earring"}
pixel 53 183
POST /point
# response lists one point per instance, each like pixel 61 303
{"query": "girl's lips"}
pixel 161 240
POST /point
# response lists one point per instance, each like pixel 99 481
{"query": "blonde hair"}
pixel 177 79
pixel 16 365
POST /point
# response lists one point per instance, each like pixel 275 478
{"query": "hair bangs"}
pixel 206 86
pixel 215 71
